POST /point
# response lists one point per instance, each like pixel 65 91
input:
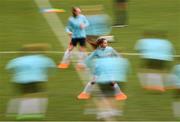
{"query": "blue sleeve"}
pixel 69 26
pixel 89 58
pixel 115 53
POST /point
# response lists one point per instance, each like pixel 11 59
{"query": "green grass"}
pixel 22 23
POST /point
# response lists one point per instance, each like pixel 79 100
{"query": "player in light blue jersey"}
pixel 155 49
pixel 96 61
pixel 29 75
pixel 76 30
pixel 156 53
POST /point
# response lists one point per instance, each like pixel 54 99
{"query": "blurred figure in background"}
pixel 99 23
pixel 29 76
pixel 120 9
pixel 156 53
pixel 76 30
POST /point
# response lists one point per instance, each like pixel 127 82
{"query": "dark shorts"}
pixel 81 41
pixel 28 88
pixel 155 64
pixel 107 89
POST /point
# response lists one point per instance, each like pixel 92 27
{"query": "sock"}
pixel 89 86
pixel 117 88
pixel 43 105
pixel 155 80
pixel 13 106
pixel 81 55
pixel 29 106
pixel 66 57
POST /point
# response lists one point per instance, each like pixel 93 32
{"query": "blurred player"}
pixel 102 53
pixel 30 74
pixel 120 8
pixel 76 30
pixel 156 53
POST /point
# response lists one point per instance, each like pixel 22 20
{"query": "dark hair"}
pixel 73 11
pixel 95 44
pixel 100 41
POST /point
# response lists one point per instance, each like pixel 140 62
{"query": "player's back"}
pixel 105 52
pixel 153 48
pixel 111 69
pixel 30 68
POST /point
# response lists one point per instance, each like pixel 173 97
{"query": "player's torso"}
pixel 104 52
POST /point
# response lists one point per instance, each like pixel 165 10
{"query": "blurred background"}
pixel 25 22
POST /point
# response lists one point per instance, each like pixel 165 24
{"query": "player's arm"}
pixel 69 28
pixel 85 23
pixel 89 58
pixel 115 53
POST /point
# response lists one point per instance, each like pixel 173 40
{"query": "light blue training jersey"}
pixel 74 26
pixel 107 65
pixel 111 69
pixel 31 68
pixel 102 53
pixel 153 48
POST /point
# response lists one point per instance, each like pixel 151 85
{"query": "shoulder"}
pixel 109 48
pixel 17 61
pixel 82 16
pixel 70 18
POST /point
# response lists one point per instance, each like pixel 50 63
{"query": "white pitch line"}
pixel 61 52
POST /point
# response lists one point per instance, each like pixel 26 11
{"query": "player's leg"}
pixel 82 53
pixel 35 100
pixel 120 13
pixel 119 95
pixel 85 94
pixel 152 76
pixel 67 55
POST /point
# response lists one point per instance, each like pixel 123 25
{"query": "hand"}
pixel 70 34
pixel 82 26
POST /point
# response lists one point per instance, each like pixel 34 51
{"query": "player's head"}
pixel 102 42
pixel 76 11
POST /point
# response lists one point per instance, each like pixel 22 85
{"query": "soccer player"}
pixel 101 55
pixel 30 74
pixel 76 30
pixel 156 53
pixel 120 9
